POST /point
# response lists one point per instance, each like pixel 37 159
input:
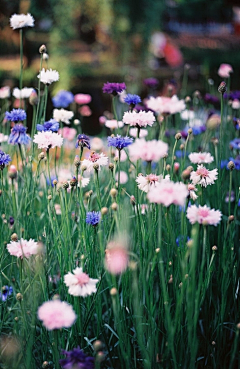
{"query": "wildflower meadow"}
pixel 122 250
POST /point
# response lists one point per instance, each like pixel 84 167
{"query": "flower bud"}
pixel 111 166
pixel 41 156
pixel 33 98
pixel 77 161
pixel 14 237
pixel 49 197
pixel 182 146
pixel 178 136
pixel 132 200
pixel 97 345
pixel 190 131
pixel 12 172
pixel 45 364
pixel 113 192
pixel 230 218
pixel 19 296
pixel 55 182
pixel 214 248
pixel 222 88
pixel 73 182
pixel 96 166
pixel 76 122
pixel 113 291
pixel 114 206
pixel 42 49
pixel 104 211
pixel 65 185
pixel 45 56
pixel 231 165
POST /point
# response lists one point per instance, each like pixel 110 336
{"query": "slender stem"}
pixel 21 62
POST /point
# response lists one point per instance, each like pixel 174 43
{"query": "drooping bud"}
pixel 222 88
pixel 42 49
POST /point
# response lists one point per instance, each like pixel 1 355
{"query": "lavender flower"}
pixel 150 82
pixel 4 159
pixel 235 144
pixel 132 99
pixel 83 140
pixel 76 359
pixel 6 292
pixel 119 142
pixel 93 217
pixel 18 135
pixel 16 115
pixel 51 125
pixel 113 88
pixel 63 99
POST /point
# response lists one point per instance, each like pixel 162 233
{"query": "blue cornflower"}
pixel 236 161
pixel 236 122
pixel 76 359
pixel 182 240
pixel 16 115
pixel 235 143
pixel 6 292
pixel 93 217
pixel 83 140
pixel 132 99
pixel 18 135
pixel 4 159
pixel 119 142
pixel 63 99
pixel 50 125
pixel 113 88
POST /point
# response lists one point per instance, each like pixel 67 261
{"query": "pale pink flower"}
pixel 62 115
pixel 123 156
pixel 147 150
pixel 113 124
pixel 96 144
pixel 203 176
pixel 167 105
pixel 4 92
pixel 68 133
pixel 201 157
pixel 102 119
pixel 56 314
pixel 140 119
pixel 168 192
pixel 203 215
pixel 83 181
pixel 123 177
pixel 116 258
pixel 192 193
pixel 147 182
pixel 23 248
pixel 79 283
pixel 58 209
pixel 236 104
pixel 82 99
pixel 134 132
pixel 48 140
pixel 95 158
pixel 85 111
pixel 225 70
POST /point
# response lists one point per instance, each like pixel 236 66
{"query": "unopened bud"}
pixel 114 206
pixel 73 182
pixel 76 122
pixel 187 99
pixel 65 185
pixel 113 291
pixel 49 197
pixel 55 182
pixel 14 237
pixel 19 296
pixel 190 131
pixel 45 56
pixel 178 136
pixel 104 211
pixel 231 165
pixel 133 200
pixel 96 166
pixel 77 161
pixel 214 248
pixel 113 192
pixel 222 88
pixel 41 156
pixel 97 345
pixel 12 172
pixel 182 146
pixel 42 49
pixel 45 364
pixel 230 218
pixel 168 167
pixel 111 166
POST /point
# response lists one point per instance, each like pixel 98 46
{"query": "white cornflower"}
pixel 79 283
pixel 134 132
pixel 192 193
pixel 21 20
pixel 203 176
pixel 140 119
pixel 200 157
pixel 145 183
pixel 62 115
pixel 48 76
pixel 48 140
pixel 4 92
pixel 113 123
pixel 24 93
pixel 95 158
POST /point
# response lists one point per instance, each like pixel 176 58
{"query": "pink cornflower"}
pixel 56 314
pixel 203 215
pixel 147 150
pixel 79 283
pixel 203 176
pixel 134 131
pixel 82 99
pixel 123 177
pixel 145 183
pixel 113 124
pixel 85 111
pixel 225 70
pixel 140 119
pixel 23 248
pixel 168 192
pixel 201 157
pixel 192 193
pixel 95 158
pixel 48 139
pixel 68 133
pixel 166 105
pixel 116 258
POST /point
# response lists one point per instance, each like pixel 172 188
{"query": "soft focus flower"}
pixel 85 111
pixel 213 121
pixel 201 157
pixel 134 132
pixel 132 99
pixel 203 215
pixel 113 88
pixel 48 76
pixel 119 142
pixel 123 155
pixel 24 93
pixel 187 115
pixel 79 283
pixel 82 181
pixel 235 144
pixel 150 82
pixel 236 104
pixel 82 99
pixel 6 292
pixel 140 119
pixel 116 258
pixel 62 99
pixel 96 143
pixel 93 159
pixel 48 139
pixel 68 133
pixel 76 359
pixel 4 159
pixel 18 135
pixel 203 176
pixel 168 192
pixel 56 314
pixel 16 115
pixel 225 70
pixel 93 217
pixel 113 123
pixel 51 125
pixel 192 193
pixel 4 92
pixel 3 138
pixel 62 115
pixel 83 140
pixel 166 105
pixel 102 119
pixel 148 150
pixel 145 183
pixel 23 248
pixel 123 177
pixel 21 20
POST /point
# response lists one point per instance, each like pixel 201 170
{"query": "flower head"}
pixel 48 76
pixel 201 157
pixel 113 123
pixel 62 99
pixel 140 119
pixel 225 70
pixel 79 283
pixel 6 292
pixel 148 150
pixel 82 99
pixel 113 88
pixel 51 125
pixel 93 217
pixel 203 176
pixel 116 258
pixel 4 92
pixel 145 183
pixel 24 93
pixel 150 82
pixel 18 135
pixel 56 314
pixel 62 115
pixel 16 115
pixel 235 144
pixel 23 248
pixel 119 142
pixel 95 158
pixel 168 192
pixel 48 139
pixel 203 215
pixel 21 20
pixel 4 159
pixel 132 99
pixel 68 133
pixel 134 132
pixel 167 105
pixel 83 140
pixel 76 359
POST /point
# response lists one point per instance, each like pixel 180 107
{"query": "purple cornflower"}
pixel 235 144
pixel 93 217
pixel 16 115
pixel 63 99
pixel 6 292
pixel 18 135
pixel 76 359
pixel 150 82
pixel 211 99
pixel 83 140
pixel 113 88
pixel 4 159
pixel 119 142
pixel 132 99
pixel 51 125
pixel 11 221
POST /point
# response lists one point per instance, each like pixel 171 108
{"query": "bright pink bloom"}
pixel 23 248
pixel 116 258
pixel 85 111
pixel 168 192
pixel 82 99
pixel 225 70
pixel 203 176
pixel 56 314
pixel 148 150
pixel 203 215
pixel 68 133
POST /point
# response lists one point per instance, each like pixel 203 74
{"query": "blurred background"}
pixel 90 42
